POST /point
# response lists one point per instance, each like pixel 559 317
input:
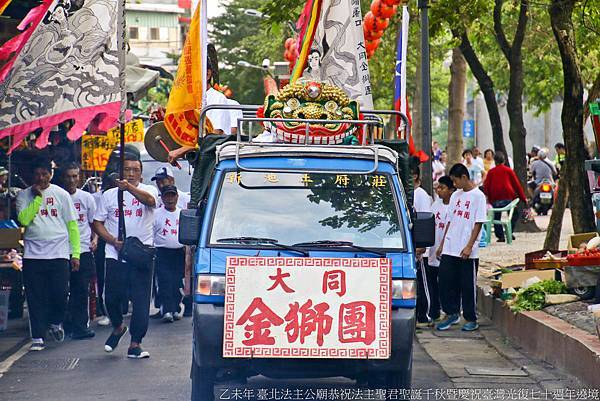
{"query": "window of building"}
pixel 134 32
pixel 154 34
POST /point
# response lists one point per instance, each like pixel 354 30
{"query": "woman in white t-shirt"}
pixel 459 251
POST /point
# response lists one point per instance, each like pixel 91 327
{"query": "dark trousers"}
pixel 80 292
pixel 100 261
pixel 458 280
pixel 126 281
pixel 170 264
pixel 498 230
pixel 46 288
pixel 428 294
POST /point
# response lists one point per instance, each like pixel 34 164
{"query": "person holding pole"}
pixel 126 278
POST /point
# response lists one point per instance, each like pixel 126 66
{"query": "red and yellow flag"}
pixel 185 99
pixel 3 5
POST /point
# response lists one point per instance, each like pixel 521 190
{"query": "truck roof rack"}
pixel 247 148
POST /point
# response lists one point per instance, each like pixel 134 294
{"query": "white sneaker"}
pixel 177 315
pixel 103 321
pixel 37 344
pixel 168 317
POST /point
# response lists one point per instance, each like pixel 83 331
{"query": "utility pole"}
pixel 426 172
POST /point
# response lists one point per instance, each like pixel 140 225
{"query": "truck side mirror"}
pixel 423 231
pixel 190 221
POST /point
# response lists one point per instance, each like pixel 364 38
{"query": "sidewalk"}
pixel 561 335
pixel 13 338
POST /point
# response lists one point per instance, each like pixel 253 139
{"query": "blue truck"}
pixel 302 201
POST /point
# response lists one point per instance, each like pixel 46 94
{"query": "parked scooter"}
pixel 543 197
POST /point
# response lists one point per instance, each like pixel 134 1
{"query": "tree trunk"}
pixel 512 53
pixel 582 213
pixel 552 240
pixel 487 88
pixel 456 106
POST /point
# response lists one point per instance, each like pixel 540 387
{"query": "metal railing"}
pixel 372 120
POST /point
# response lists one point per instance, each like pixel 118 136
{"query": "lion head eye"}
pixel 331 106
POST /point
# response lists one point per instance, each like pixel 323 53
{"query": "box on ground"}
pixel 576 239
pixel 516 279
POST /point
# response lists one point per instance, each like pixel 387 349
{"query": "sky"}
pixel 214 8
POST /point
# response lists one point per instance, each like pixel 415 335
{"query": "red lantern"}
pixel 381 24
pixel 391 2
pixel 382 10
pixel 371 45
pixel 289 42
pixel 369 23
pixel 373 35
pixel 370 53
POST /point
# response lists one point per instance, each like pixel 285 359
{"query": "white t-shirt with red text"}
pixel 85 206
pixel 47 236
pixel 422 200
pixel 139 218
pixel 166 228
pixel 465 209
pixel 440 212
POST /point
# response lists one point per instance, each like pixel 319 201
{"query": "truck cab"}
pixel 296 202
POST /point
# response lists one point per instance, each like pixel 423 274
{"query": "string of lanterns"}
pixel 376 21
pixel 374 24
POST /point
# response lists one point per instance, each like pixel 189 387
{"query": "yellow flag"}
pixel 185 99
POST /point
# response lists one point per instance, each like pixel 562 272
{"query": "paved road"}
pixel 82 371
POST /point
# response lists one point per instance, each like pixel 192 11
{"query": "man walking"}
pixel 51 235
pixel 122 278
pixel 170 255
pixel 502 187
pixel 80 279
pixel 164 176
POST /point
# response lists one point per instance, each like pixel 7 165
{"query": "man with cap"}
pixel 164 177
pixel 170 254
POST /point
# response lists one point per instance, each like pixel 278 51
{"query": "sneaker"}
pixel 37 344
pixel 168 317
pixel 113 340
pixel 450 320
pixel 177 315
pixel 57 333
pixel 137 353
pixel 103 321
pixel 470 326
pixel 83 334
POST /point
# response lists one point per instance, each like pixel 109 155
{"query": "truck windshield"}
pixel 292 208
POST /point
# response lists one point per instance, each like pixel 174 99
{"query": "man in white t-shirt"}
pixel 170 254
pixel 422 203
pixel 79 283
pixel 123 279
pixel 235 115
pixel 459 251
pixel 440 208
pixel 51 239
pixel 163 177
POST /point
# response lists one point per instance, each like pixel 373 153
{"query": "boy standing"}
pixel 459 251
pixel 422 203
pixel 170 254
pixel 439 209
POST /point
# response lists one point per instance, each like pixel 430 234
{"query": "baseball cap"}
pixel 169 189
pixel 3 171
pixel 163 172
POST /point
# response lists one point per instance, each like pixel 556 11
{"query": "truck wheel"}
pixel 203 383
pixel 584 292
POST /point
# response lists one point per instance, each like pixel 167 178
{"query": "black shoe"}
pixel 83 334
pixel 113 340
pixel 137 353
pixel 501 240
pixel 157 315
